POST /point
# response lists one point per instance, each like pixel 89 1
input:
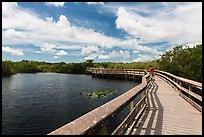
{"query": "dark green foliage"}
pixel 89 63
pixel 183 62
pixel 77 68
pixel 26 66
pixel 6 68
pixel 133 65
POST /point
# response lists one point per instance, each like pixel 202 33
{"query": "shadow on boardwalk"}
pixel 151 121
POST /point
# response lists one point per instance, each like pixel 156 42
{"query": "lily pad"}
pixel 99 94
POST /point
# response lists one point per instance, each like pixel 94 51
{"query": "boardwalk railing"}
pixel 188 89
pixel 98 121
pixel 96 71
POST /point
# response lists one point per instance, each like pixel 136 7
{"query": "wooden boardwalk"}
pixel 160 110
pixel 167 113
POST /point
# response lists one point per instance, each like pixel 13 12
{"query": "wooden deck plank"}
pixel 167 113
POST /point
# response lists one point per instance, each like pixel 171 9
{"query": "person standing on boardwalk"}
pixel 151 70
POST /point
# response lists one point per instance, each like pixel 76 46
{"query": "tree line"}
pixel 184 62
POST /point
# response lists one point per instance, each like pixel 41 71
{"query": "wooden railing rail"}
pixel 188 89
pixel 115 71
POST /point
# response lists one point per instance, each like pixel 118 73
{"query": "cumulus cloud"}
pixel 136 51
pixel 51 48
pixel 89 49
pixel 95 3
pixel 12 51
pixel 69 47
pixel 38 30
pixel 56 57
pixel 103 57
pixel 120 54
pixel 47 48
pixel 15 35
pixel 92 56
pixel 21 26
pixel 57 4
pixel 181 24
pixel 61 53
pixel 143 58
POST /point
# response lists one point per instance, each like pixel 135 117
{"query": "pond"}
pixel 42 102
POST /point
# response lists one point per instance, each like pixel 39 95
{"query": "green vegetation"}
pixel 133 65
pixel 6 68
pixel 26 66
pixel 99 94
pixel 184 62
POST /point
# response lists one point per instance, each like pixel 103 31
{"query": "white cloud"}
pixel 120 54
pixel 57 4
pixel 95 3
pixel 182 23
pixel 136 51
pixel 48 48
pixel 61 53
pixel 12 51
pixel 56 57
pixel 42 32
pixel 51 48
pixel 92 56
pixel 143 58
pixel 103 57
pixel 13 34
pixel 89 49
pixel 38 30
pixel 190 45
pixel 132 44
pixel 69 47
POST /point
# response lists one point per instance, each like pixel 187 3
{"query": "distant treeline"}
pixel 184 62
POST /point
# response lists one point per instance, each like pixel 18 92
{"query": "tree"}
pixel 184 62
pixel 89 63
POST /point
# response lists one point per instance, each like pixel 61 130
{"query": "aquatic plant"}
pixel 99 94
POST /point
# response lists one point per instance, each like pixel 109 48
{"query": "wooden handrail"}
pixel 100 115
pixel 191 82
pixel 98 118
pixel 175 80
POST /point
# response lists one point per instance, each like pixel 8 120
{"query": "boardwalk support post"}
pixel 104 130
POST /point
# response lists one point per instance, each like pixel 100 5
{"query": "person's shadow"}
pixel 152 119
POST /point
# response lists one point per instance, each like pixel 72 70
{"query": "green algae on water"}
pixel 99 94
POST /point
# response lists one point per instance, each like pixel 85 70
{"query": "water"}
pixel 40 103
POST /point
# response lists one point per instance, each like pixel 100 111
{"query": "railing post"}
pixel 189 96
pixel 133 75
pixel 132 104
pixel 103 130
pixel 180 83
pixel 143 94
pixel 125 74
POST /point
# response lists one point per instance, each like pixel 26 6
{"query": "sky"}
pixel 103 31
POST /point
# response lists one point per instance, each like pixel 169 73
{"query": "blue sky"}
pixel 103 31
